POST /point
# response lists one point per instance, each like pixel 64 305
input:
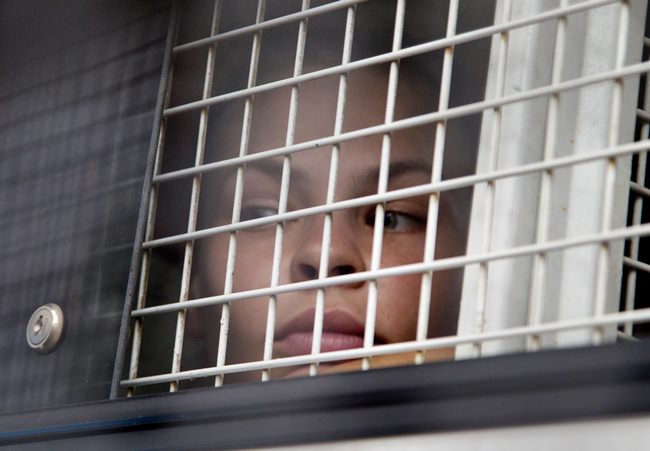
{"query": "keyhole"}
pixel 38 325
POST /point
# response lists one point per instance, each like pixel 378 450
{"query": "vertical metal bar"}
pixel 284 191
pixel 155 144
pixel 604 253
pixel 493 157
pixel 382 186
pixel 436 176
pixel 239 188
pixel 323 268
pixel 143 284
pixel 637 210
pixel 538 284
pixel 194 200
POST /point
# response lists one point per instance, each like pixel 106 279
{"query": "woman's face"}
pixel 352 229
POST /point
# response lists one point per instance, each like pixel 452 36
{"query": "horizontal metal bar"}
pixel 411 122
pixel 413 268
pixel 283 20
pixel 643 115
pixel 636 264
pixel 395 55
pixel 637 316
pixel 640 189
pixel 438 187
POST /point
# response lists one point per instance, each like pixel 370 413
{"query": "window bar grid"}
pixel 414 121
pixel 323 267
pixel 540 262
pixel 436 176
pixel 271 23
pixel 539 250
pixel 194 200
pixel 637 316
pixel 237 201
pixel 382 185
pixel 637 209
pixel 284 191
pixel 604 254
pixel 144 231
pixel 413 268
pixel 481 300
pixel 419 49
pixel 456 183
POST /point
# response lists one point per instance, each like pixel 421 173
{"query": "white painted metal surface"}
pixel 554 204
pixel 601 435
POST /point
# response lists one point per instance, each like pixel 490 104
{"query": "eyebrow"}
pixel 397 169
pixel 273 168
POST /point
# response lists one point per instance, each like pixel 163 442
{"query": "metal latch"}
pixel 45 328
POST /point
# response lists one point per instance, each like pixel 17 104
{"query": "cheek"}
pixel 211 270
pixel 248 317
pixel 399 297
pixel 398 308
pixel 254 261
pixel 247 330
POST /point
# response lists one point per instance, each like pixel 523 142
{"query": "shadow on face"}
pixel 299 253
pixel 298 245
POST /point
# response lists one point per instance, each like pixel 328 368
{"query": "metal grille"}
pixel 539 251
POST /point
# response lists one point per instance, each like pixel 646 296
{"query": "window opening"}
pixel 507 241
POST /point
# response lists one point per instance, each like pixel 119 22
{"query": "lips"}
pixel 340 331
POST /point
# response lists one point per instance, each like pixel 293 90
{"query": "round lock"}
pixel 45 328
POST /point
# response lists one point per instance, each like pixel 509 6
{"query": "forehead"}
pixel 316 112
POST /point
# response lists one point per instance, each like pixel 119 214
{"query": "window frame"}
pixel 520 389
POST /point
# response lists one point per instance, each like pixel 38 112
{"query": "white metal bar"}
pixel 382 184
pixel 609 188
pixel 284 192
pixel 145 264
pixel 493 157
pixel 399 54
pixel 637 188
pixel 237 198
pixel 637 316
pixel 643 115
pixel 413 268
pixel 446 185
pixel 257 27
pixel 637 265
pixel 539 271
pixel 436 176
pixel 194 199
pixel 323 267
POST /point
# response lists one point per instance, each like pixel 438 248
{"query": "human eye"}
pixel 256 211
pixel 402 222
pixel 399 220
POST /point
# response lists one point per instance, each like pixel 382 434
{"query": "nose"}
pixel 345 256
